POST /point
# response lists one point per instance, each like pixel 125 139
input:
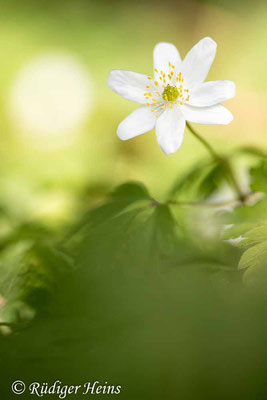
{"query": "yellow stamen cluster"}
pixel 171 92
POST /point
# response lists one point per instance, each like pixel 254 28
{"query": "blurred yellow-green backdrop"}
pixel 58 118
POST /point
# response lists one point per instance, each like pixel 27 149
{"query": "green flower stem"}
pixel 222 160
pixel 203 141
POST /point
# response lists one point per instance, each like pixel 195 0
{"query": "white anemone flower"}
pixel 176 94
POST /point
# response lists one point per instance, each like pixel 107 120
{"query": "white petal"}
pixel 165 53
pixel 139 121
pixel 210 93
pixel 196 65
pixel 217 114
pixel 130 85
pixel 170 130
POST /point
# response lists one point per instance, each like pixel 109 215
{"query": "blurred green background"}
pixel 58 139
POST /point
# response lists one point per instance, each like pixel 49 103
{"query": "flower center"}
pixel 170 93
pixel 164 94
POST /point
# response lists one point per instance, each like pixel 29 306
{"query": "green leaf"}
pixel 259 177
pixel 254 257
pixel 29 267
pixel 237 230
pixel 212 181
pixel 132 238
pixel 254 236
pixel 199 183
pixel 185 182
pixel 131 192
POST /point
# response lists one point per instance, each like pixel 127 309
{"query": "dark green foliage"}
pixel 141 294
